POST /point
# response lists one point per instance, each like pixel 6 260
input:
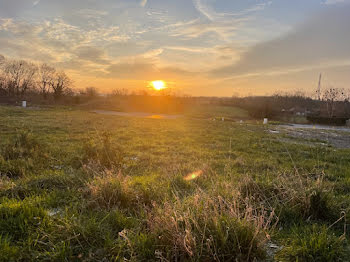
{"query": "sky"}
pixel 198 47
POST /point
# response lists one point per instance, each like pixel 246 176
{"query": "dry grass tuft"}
pixel 110 190
pixel 204 227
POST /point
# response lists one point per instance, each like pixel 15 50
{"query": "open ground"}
pixel 81 186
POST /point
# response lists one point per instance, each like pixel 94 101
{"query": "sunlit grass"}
pixel 95 187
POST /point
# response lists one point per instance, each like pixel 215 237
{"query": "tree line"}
pixel 20 77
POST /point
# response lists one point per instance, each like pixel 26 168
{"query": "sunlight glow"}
pixel 159 85
pixel 156 117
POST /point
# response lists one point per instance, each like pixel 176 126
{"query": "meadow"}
pixel 78 186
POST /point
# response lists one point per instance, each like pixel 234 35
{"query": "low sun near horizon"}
pixel 158 85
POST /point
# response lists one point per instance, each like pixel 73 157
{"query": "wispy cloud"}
pixel 308 46
pixel 36 2
pixel 332 2
pixel 208 11
pixel 143 3
pixel 208 39
pixel 224 24
pixel 56 40
pixel 204 9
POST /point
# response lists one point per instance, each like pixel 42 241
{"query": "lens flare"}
pixel 193 175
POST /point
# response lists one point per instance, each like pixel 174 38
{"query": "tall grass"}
pixel 102 152
pixel 203 227
pixel 21 154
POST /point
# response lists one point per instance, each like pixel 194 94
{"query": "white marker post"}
pixel 266 121
pixel 24 103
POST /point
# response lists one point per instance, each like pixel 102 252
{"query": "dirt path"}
pixel 338 137
pixel 318 127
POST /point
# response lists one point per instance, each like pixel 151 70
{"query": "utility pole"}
pixel 318 92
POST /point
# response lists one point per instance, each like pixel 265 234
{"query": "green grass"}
pixel 314 243
pixel 208 111
pixel 77 186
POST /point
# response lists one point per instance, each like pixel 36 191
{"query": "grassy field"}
pixel 77 186
pixel 217 112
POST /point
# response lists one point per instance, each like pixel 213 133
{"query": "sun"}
pixel 159 85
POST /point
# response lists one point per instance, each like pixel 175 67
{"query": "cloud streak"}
pixel 322 40
pixel 333 2
pixel 143 3
pixel 198 42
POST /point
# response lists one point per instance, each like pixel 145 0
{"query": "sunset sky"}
pixel 199 47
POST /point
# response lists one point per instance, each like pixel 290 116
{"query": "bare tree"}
pixel 2 75
pixel 91 91
pixel 30 73
pixel 332 96
pixel 120 92
pixel 60 85
pixel 17 77
pixel 2 61
pixel 20 76
pixel 12 72
pixel 46 78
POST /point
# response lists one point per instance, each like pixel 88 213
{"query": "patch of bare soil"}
pixel 337 137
